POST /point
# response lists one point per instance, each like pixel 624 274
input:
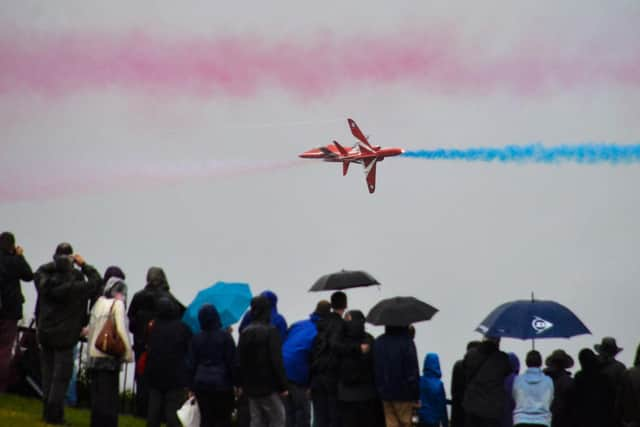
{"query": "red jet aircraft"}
pixel 363 152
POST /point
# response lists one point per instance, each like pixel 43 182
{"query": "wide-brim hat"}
pixel 559 358
pixel 608 346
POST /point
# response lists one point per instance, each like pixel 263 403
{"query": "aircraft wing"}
pixel 355 131
pixel 370 172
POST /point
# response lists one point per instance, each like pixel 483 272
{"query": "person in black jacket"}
pixel 142 310
pixel 324 363
pixel 212 363
pixel 397 374
pixel 357 395
pixel 628 404
pixel 592 399
pixel 457 389
pixel 262 374
pixel 166 370
pixel 486 368
pixel 557 364
pixel 613 369
pixel 13 268
pixel 63 295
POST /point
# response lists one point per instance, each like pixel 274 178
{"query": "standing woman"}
pixel 212 360
pixel 104 370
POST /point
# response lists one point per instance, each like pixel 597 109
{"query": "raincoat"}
pixel 433 401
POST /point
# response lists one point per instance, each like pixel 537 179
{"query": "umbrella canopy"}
pixel 531 319
pixel 400 311
pixel 230 299
pixel 344 279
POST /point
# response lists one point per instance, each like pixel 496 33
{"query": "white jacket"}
pixel 99 315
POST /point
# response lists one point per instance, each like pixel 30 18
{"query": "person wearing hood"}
pixel 296 356
pixel 166 370
pixel 262 374
pixel 397 374
pixel 592 399
pixel 507 418
pixel 277 319
pixel 558 364
pixel 357 395
pixel 111 271
pixel 533 393
pixel 212 364
pixel 629 398
pixel 13 269
pixel 433 401
pixel 142 310
pixel 104 370
pixel 61 313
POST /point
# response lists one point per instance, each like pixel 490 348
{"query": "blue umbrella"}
pixel 531 319
pixel 230 299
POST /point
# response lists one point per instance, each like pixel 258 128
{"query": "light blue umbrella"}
pixel 230 299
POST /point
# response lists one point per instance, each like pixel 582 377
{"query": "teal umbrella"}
pixel 230 299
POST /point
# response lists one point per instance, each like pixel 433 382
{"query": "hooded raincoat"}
pixel 277 320
pixel 533 393
pixel 212 357
pixel 433 401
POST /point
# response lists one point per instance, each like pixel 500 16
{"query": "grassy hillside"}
pixel 24 412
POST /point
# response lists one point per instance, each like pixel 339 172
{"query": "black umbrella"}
pixel 344 279
pixel 400 311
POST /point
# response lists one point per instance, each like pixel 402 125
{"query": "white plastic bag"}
pixel 189 413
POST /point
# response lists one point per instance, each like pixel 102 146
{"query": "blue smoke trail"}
pixel 537 153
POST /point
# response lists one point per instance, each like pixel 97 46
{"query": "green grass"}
pixel 25 412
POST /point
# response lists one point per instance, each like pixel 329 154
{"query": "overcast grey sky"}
pixel 464 237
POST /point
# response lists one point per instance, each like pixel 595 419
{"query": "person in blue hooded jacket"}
pixel 433 401
pixel 533 393
pixel 296 355
pixel 277 319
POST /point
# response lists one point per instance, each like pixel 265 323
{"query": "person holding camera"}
pixel 61 315
pixel 13 268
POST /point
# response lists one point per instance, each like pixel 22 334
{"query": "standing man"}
pixel 532 393
pixel 397 375
pixel 13 268
pixel 486 368
pixel 296 353
pixel 262 374
pixel 63 295
pixel 457 389
pixel 325 363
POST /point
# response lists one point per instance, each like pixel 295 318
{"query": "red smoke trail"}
pixel 49 183
pixel 63 64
